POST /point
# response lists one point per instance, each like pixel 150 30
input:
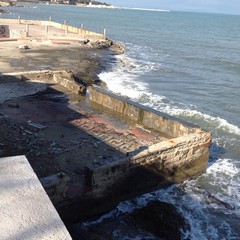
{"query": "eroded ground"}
pixel 71 134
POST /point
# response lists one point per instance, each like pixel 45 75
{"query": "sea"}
pixel 186 65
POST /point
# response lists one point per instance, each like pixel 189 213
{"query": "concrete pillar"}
pixel 46 30
pixel 66 27
pixel 27 30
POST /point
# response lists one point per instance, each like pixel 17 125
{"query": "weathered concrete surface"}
pixel 25 209
pixel 183 156
pixel 145 116
pixel 167 162
pixel 66 79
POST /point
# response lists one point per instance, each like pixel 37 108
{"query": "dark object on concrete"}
pixel 161 219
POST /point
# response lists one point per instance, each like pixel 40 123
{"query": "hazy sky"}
pixel 215 6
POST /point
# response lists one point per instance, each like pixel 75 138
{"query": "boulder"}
pixel 162 219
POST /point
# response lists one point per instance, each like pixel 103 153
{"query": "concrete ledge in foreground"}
pixel 25 209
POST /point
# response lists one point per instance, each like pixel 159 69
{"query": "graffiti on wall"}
pixel 4 31
pixel 18 33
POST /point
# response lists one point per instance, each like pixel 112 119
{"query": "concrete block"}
pixel 25 209
pixel 66 79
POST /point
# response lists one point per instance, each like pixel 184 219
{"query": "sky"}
pixel 212 6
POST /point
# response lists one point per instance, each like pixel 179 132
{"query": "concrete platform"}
pixel 25 209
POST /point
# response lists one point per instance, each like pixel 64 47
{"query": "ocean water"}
pixel 186 65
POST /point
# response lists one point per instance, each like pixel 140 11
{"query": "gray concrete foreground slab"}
pixel 25 209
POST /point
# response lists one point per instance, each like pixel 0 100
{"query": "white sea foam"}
pixel 215 122
pixel 197 201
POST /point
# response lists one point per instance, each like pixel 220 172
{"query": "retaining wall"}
pixel 145 116
pixel 184 156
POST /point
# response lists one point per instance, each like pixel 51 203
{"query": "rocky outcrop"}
pixel 118 48
pixel 101 44
pixel 161 219
pixel 3 11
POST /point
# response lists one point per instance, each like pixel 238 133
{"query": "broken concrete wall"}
pixel 140 114
pixel 63 78
pixel 167 162
pixel 184 156
pixel 66 79
pixel 56 187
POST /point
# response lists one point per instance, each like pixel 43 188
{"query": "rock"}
pixel 3 11
pixel 13 105
pixel 86 41
pixel 118 48
pixel 161 219
pixel 101 44
pixel 100 84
